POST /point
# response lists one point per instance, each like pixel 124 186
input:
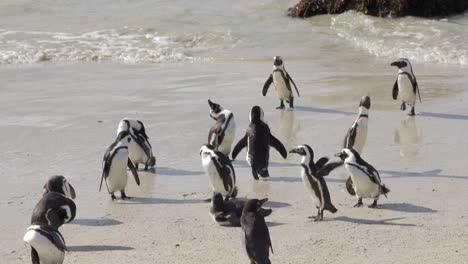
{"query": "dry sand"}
pixel 59 119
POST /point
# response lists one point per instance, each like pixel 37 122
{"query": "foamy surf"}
pixel 422 40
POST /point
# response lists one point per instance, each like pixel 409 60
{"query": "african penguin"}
pixel 356 136
pixel 47 244
pixel 256 236
pixel 282 80
pixel 229 212
pixel 54 209
pixel 223 132
pixel 139 149
pixel 60 185
pixel 312 177
pixel 220 171
pixel 258 140
pixel 115 164
pixel 366 179
pixel 406 85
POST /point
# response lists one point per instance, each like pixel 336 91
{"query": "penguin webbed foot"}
pixel 281 105
pixel 374 204
pixel 254 174
pixel 403 106
pixel 123 196
pixel 136 166
pixel 113 196
pixel 291 102
pixel 412 112
pixel 359 203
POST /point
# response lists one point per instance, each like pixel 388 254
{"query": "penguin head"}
pixel 206 149
pixel 256 114
pixel 365 102
pixel 217 201
pixel 277 61
pixel 253 205
pixel 215 109
pixel 403 65
pixel 60 185
pixel 347 154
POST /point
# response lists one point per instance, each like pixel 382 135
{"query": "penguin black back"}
pixel 53 210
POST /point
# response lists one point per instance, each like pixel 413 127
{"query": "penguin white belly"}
pixel 361 135
pixel 229 135
pixel 309 189
pixel 215 180
pixel 136 153
pixel 281 88
pixel 405 89
pixel 363 186
pixel 47 251
pixel 117 178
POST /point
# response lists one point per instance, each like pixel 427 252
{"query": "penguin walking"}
pixel 229 212
pixel 59 184
pixel 140 150
pixel 312 177
pixel 255 232
pixel 406 86
pixel 258 140
pixel 47 244
pixel 356 136
pixel 223 132
pixel 366 179
pixel 220 171
pixel 282 80
pixel 115 162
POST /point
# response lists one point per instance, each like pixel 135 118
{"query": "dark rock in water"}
pixel 381 8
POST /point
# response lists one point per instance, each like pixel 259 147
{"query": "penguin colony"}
pixel 131 148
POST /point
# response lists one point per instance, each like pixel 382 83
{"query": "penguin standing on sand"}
pixel 223 132
pixel 257 239
pixel 282 80
pixel 139 149
pixel 258 140
pixel 59 184
pixel 220 171
pixel 406 86
pixel 47 244
pixel 357 134
pixel 115 164
pixel 229 212
pixel 312 177
pixel 366 179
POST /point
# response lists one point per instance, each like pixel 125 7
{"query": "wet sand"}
pixel 59 119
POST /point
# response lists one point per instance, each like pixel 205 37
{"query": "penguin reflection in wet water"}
pixel 366 179
pixel 258 140
pixel 256 236
pixel 312 177
pixel 229 212
pixel 282 81
pixel 406 86
pixel 223 132
pixel 115 164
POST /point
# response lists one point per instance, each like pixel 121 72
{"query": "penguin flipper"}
pixel 321 162
pixel 267 85
pixel 224 172
pixel 395 90
pixel 350 136
pixel 106 164
pixel 289 77
pixel 134 172
pixel 416 87
pixel 274 142
pixel 239 146
pixel 327 168
pixel 140 140
pixel 350 187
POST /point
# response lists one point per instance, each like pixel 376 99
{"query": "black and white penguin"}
pixel 220 171
pixel 255 232
pixel 47 244
pixel 53 202
pixel 223 132
pixel 281 78
pixel 312 177
pixel 139 149
pixel 357 134
pixel 59 184
pixel 115 162
pixel 406 86
pixel 366 179
pixel 258 140
pixel 229 212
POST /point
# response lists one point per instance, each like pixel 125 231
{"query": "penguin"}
pixel 366 179
pixel 258 140
pixel 356 136
pixel 228 213
pixel 63 208
pixel 256 236
pixel 312 177
pixel 222 134
pixel 140 149
pixel 220 171
pixel 281 78
pixel 405 85
pixel 59 184
pixel 115 162
pixel 47 244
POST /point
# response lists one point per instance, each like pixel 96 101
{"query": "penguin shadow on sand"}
pixel 386 222
pixel 443 116
pixel 243 164
pixel 407 137
pixel 286 131
pixel 153 200
pixel 166 171
pixel 425 174
pixel 96 222
pixel 93 248
pixel 406 208
pixel 323 110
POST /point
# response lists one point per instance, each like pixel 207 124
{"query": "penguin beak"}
pixel 294 151
pixel 340 155
pixel 210 103
pixel 72 191
pixel 395 63
pixel 261 202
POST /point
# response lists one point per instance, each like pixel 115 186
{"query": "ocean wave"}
pixel 124 46
pixel 423 40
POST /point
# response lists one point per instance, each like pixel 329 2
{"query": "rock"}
pixel 381 8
